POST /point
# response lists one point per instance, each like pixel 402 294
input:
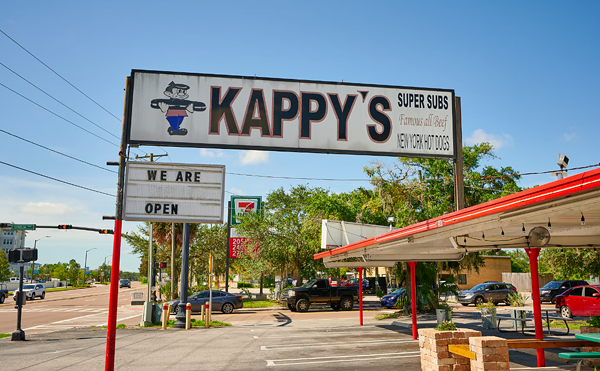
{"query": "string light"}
pixel 549 225
pixel 466 252
pixel 502 232
pixel 483 235
pixel 523 229
pixel 582 219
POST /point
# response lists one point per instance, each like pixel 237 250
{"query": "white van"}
pixel 14 279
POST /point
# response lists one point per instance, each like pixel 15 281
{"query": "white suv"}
pixel 31 291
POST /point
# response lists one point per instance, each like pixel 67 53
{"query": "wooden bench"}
pixel 580 356
pixel 515 320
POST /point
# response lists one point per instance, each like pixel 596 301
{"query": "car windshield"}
pixel 28 287
pixel 399 291
pixel 552 285
pixel 478 288
pixel 309 284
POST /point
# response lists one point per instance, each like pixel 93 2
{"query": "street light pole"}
pixel 33 263
pixel 104 266
pixel 85 266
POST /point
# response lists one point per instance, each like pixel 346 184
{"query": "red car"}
pixel 579 301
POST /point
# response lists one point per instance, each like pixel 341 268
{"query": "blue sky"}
pixel 527 74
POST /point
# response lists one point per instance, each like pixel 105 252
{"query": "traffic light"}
pixel 106 231
pixel 65 226
pixel 163 265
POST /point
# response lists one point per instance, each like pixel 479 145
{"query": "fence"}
pixel 522 281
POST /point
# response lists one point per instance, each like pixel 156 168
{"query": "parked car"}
pixel 223 301
pixel 319 291
pixel 125 283
pixel 496 292
pixel 390 299
pixel 32 291
pixel 554 288
pixel 579 301
pixel 3 292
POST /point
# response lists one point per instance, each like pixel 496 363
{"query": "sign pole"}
pixel 172 261
pixel 227 246
pixel 185 254
pixel 109 361
pixel 19 334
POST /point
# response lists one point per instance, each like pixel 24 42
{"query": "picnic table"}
pixel 524 320
pixel 581 356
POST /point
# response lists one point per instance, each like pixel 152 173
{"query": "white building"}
pixel 10 239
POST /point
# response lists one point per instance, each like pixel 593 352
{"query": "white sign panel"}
pixel 199 110
pixel 166 192
pixel 339 233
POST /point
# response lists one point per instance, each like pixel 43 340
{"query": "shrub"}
pixel 486 307
pixel 594 321
pixel 242 285
pixel 446 326
pixel 516 300
pixel 379 293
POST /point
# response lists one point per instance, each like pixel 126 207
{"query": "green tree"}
pixel 60 271
pixel 73 270
pixel 4 267
pixel 566 264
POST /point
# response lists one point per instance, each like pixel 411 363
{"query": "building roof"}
pixel 557 207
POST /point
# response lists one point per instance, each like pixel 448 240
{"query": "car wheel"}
pixel 227 308
pixel 43 295
pixel 346 303
pixel 302 305
pixel 335 306
pixel 465 304
pixel 2 299
pixel 479 300
pixel 291 307
pixel 565 312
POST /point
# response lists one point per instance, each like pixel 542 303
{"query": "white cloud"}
pixel 127 251
pixel 236 191
pixel 46 208
pixel 211 153
pixel 498 141
pixel 253 157
pixel 569 137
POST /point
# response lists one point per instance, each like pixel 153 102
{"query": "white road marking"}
pixel 361 357
pixel 331 333
pixel 341 344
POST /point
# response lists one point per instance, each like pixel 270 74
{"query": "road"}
pixel 70 308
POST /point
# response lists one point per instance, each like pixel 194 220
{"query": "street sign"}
pixel 180 193
pixel 242 206
pixel 29 227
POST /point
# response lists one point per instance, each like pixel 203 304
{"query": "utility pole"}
pixel 148 304
pixel 459 182
pixel 173 261
pixel 227 247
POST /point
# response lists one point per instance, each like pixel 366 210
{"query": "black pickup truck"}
pixel 318 291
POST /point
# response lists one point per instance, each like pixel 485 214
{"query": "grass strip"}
pixel 387 315
pixel 4 335
pixel 261 303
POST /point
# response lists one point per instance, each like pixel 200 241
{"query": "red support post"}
pixel 413 295
pixel 109 363
pixel 360 294
pixel 537 307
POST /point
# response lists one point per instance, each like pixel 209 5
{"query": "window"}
pixel 462 279
pixel 578 291
pixel 590 291
pixel 321 285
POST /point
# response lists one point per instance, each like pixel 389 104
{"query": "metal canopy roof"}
pixel 561 203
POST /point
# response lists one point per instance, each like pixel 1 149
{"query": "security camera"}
pixel 563 161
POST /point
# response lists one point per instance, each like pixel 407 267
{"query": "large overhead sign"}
pixel 167 192
pixel 214 111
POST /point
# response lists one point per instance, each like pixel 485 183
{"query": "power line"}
pixel 60 153
pixel 59 116
pixel 58 180
pixel 57 74
pixel 49 95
